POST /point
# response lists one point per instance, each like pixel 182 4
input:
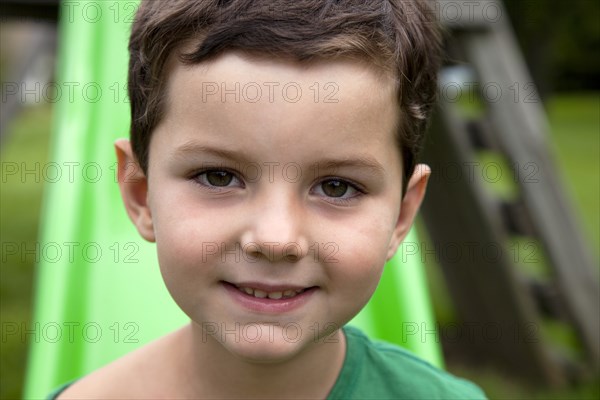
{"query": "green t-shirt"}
pixel 378 370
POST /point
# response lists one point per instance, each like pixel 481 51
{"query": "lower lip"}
pixel 266 305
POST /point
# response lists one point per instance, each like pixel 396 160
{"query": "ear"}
pixel 134 189
pixel 415 192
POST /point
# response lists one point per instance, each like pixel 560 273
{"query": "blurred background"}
pixel 560 44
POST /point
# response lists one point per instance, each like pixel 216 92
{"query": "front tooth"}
pixel 289 293
pixel 260 294
pixel 275 295
pixel 249 290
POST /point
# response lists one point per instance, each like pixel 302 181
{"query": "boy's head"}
pixel 397 37
pixel 271 177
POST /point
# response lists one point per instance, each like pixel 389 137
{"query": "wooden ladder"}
pixel 514 260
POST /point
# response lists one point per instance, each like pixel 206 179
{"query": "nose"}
pixel 276 229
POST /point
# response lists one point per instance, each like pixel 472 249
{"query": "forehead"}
pixel 236 77
pixel 277 103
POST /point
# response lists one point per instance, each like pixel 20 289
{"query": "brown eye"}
pixel 219 178
pixel 334 188
pixel 338 191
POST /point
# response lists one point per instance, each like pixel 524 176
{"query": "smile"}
pixel 261 294
pixel 269 299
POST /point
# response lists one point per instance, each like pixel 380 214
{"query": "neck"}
pixel 214 372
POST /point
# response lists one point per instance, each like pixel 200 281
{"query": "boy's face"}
pixel 265 178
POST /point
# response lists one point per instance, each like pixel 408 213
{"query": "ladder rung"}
pixel 517 218
pixel 548 300
pixel 480 134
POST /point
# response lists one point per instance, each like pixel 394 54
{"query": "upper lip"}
pixel 267 287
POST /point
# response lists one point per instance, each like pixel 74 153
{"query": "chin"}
pixel 271 347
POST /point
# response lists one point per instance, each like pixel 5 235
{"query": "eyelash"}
pixel 197 174
pixel 360 191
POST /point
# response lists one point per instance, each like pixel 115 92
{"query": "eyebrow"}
pixel 193 149
pixel 359 161
pixel 363 162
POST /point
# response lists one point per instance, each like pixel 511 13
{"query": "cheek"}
pixel 362 254
pixel 188 237
pixel 373 233
pixel 183 224
pixel 191 247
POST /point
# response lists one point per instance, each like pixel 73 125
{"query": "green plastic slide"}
pixel 99 291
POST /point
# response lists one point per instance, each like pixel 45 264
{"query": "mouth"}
pixel 261 291
pixel 269 298
pixel 261 294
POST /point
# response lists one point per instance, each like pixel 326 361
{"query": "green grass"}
pixel 575 138
pixel 20 199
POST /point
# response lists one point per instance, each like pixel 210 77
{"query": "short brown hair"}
pixel 397 36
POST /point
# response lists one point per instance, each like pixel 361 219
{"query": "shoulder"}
pixel 110 381
pixel 138 374
pixel 386 370
pixel 58 391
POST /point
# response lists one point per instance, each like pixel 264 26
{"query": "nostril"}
pixel 291 258
pixel 292 252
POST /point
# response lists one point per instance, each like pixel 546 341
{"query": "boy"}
pixel 274 148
